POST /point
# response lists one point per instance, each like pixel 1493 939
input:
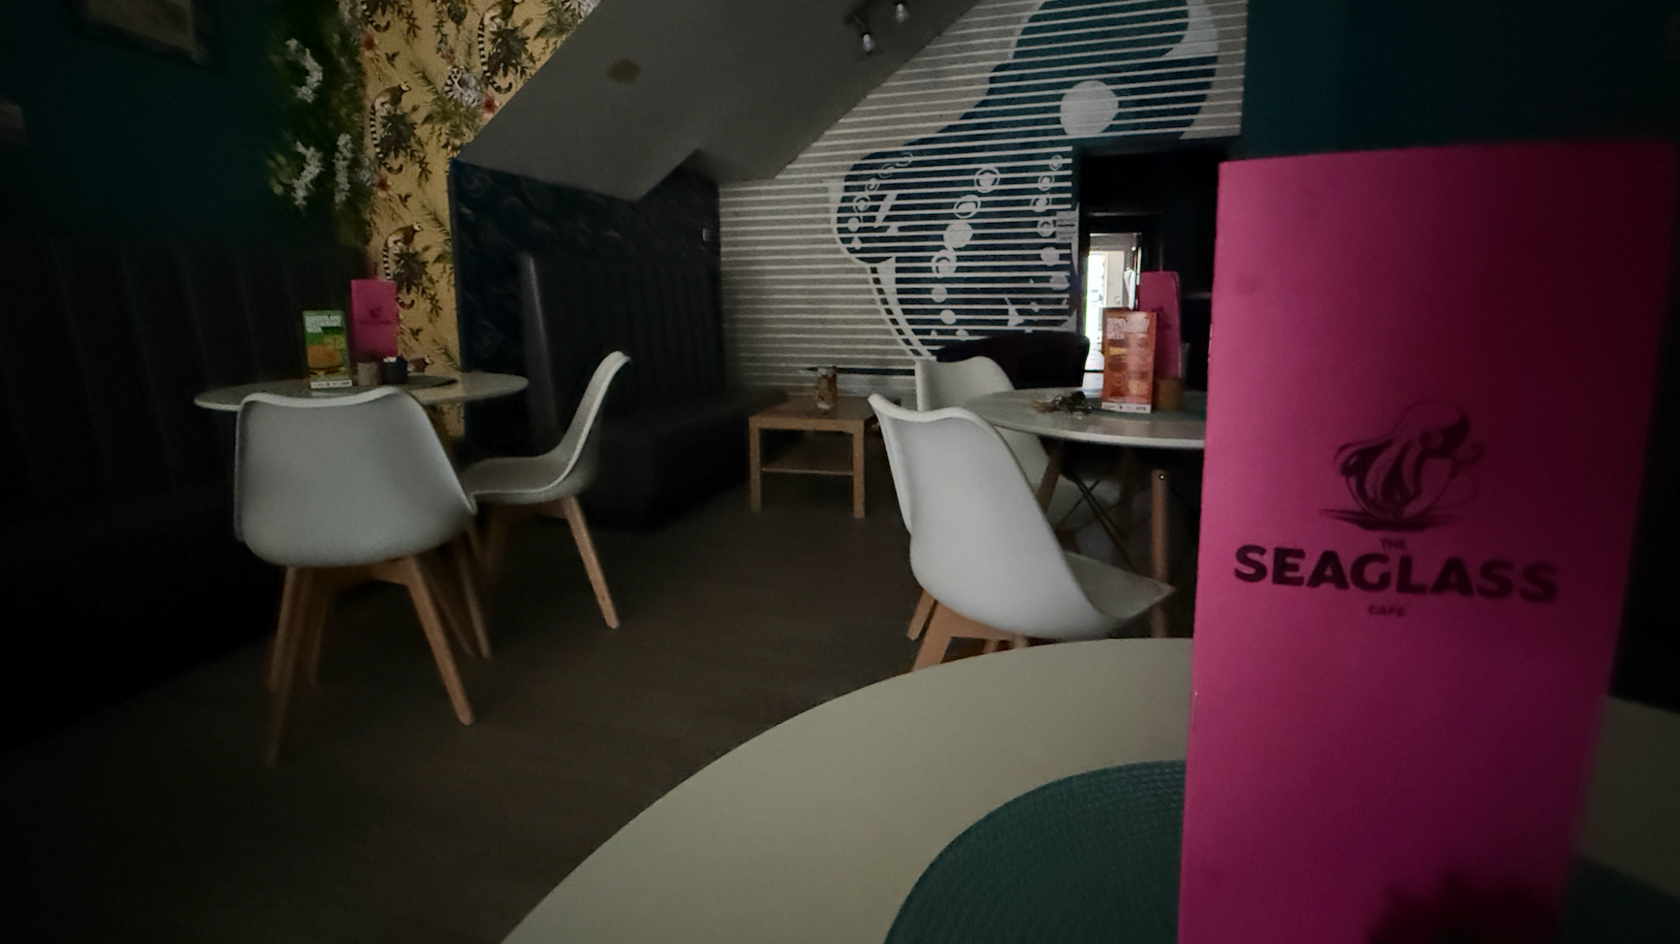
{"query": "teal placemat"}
pixel 1095 857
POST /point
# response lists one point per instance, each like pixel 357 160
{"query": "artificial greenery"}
pixel 319 168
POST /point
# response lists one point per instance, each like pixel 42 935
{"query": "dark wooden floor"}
pixel 389 821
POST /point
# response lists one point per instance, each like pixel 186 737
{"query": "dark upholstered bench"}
pixel 117 554
pixel 673 433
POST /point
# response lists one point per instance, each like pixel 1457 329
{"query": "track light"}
pixel 901 13
pixel 866 40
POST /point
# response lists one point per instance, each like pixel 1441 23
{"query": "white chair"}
pixel 982 549
pixel 549 484
pixel 946 384
pixel 940 385
pixel 339 490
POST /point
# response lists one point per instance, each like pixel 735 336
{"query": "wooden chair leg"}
pixel 591 563
pixel 464 571
pixel 291 589
pixel 318 600
pixel 450 603
pixel 1052 472
pixel 918 619
pixel 287 637
pixel 936 641
pixel 497 520
pixel 425 603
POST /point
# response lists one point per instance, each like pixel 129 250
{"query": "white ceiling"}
pixel 732 88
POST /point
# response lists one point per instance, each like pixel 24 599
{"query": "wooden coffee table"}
pixel 815 455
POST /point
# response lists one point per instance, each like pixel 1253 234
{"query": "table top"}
pixel 469 386
pixel 796 412
pixel 1015 409
pixel 817 829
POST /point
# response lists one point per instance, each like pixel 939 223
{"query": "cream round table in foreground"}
pixel 467 387
pixel 815 830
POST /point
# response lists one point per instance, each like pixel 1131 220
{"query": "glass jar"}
pixel 827 388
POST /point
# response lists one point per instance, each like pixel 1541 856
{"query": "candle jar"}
pixel 827 388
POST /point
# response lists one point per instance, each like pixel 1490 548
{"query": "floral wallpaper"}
pixel 434 71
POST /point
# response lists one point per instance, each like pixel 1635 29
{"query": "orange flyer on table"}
pixel 1128 360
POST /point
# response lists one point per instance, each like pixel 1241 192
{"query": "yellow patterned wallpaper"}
pixel 434 72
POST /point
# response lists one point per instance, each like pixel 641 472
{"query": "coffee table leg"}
pixel 857 472
pixel 755 469
pixel 1158 543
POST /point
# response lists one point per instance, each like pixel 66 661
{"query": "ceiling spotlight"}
pixel 901 13
pixel 866 40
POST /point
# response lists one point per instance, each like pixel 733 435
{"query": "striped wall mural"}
pixel 941 207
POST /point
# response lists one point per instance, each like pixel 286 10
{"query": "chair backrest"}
pixel 941 384
pixel 342 481
pixel 1029 358
pixel 978 541
pixel 579 449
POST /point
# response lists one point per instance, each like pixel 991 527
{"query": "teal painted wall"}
pixel 123 141
pixel 1358 74
pixel 1292 86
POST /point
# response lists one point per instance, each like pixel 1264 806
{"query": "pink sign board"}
pixel 1418 504
pixel 374 319
pixel 1158 292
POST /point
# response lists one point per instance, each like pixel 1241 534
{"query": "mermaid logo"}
pixel 1407 479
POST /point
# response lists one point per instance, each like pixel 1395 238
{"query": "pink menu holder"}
pixel 374 319
pixel 1416 522
pixel 1158 292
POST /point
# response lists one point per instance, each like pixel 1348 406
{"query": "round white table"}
pixel 467 387
pixel 1167 429
pixel 815 830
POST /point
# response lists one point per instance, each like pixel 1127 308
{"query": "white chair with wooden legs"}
pixel 981 547
pixel 340 490
pixel 516 486
pixel 941 384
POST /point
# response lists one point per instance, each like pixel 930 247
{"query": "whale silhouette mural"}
pixel 969 231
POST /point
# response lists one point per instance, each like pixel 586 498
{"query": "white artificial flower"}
pixel 312 72
pixel 341 170
pixel 305 180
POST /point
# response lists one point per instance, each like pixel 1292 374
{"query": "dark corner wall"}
pixel 143 260
pixel 495 216
pixel 125 142
pixel 1327 75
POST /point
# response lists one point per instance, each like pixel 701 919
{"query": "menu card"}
pixel 1415 533
pixel 325 350
pixel 1128 360
pixel 374 319
pixel 1158 293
